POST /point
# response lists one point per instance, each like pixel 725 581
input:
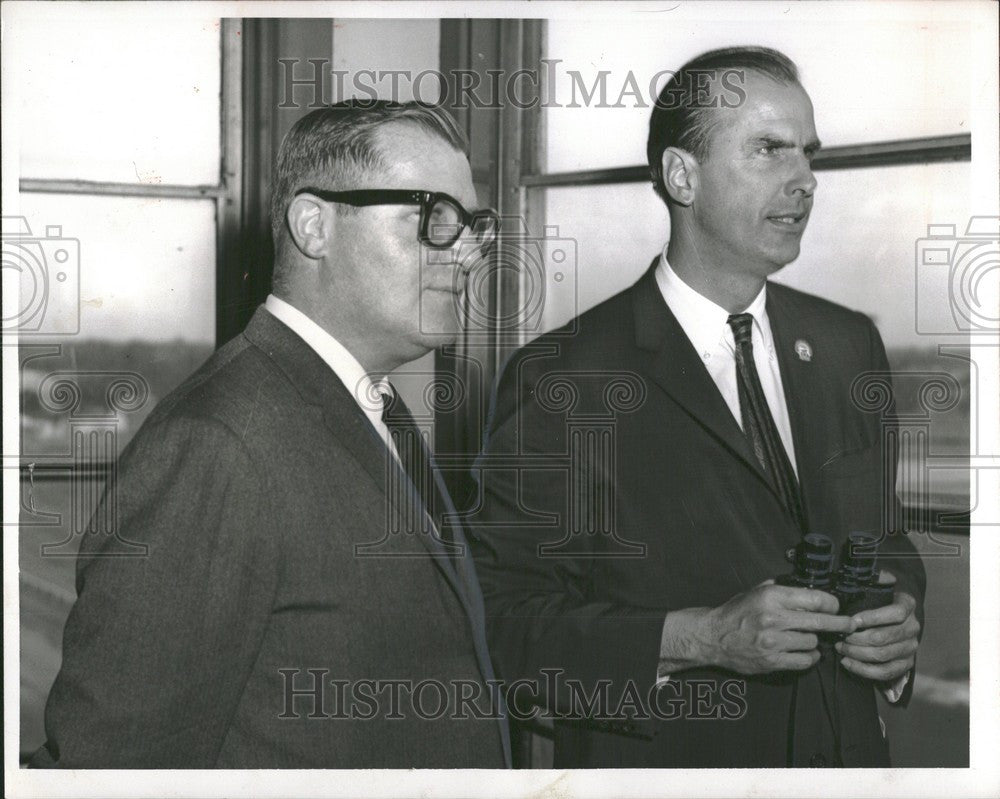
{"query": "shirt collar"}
pixel 366 392
pixel 705 323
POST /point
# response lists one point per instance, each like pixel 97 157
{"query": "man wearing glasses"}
pixel 304 602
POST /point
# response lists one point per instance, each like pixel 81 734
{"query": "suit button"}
pixel 818 760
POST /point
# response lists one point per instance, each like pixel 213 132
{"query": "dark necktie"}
pixel 414 455
pixel 758 424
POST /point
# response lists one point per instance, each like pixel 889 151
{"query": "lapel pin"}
pixel 803 350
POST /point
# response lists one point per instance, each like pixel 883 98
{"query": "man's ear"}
pixel 680 175
pixel 310 222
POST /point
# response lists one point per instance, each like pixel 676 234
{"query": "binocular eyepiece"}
pixel 813 564
pixel 855 583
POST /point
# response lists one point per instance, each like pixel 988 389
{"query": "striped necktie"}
pixel 414 456
pixel 758 424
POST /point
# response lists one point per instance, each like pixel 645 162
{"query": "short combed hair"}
pixel 679 121
pixel 335 146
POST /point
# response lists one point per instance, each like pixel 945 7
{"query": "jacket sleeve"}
pixel 171 607
pixel 536 567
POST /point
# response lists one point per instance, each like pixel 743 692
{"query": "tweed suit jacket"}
pixel 271 576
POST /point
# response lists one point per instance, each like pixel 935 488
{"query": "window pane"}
pixel 617 229
pixel 859 248
pixel 46 559
pixel 102 99
pixel 146 294
pixel 847 65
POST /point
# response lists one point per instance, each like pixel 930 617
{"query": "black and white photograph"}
pixel 501 399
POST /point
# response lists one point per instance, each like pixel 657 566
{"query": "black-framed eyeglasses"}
pixel 442 217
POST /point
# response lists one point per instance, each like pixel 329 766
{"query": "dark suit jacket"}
pixel 617 485
pixel 251 487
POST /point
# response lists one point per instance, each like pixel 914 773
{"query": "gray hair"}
pixel 335 146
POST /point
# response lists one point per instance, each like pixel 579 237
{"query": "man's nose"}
pixel 466 250
pixel 802 180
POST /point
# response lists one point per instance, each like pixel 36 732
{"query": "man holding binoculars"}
pixel 656 563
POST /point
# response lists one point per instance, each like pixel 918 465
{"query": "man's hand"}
pixel 885 644
pixel 768 628
pixel 773 628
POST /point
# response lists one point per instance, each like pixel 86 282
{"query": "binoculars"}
pixel 855 583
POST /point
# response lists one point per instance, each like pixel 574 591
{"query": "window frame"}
pixel 252 124
pixel 897 152
pixel 508 167
pixel 227 194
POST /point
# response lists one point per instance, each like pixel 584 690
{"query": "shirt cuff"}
pixel 894 692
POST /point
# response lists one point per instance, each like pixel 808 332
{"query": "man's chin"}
pixel 439 330
pixel 441 312
pixel 782 257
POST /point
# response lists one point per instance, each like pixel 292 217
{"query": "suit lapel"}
pixel 673 364
pixel 345 420
pixel 475 608
pixel 352 428
pixel 319 386
pixel 807 394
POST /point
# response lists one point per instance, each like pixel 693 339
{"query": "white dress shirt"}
pixel 352 374
pixel 706 327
